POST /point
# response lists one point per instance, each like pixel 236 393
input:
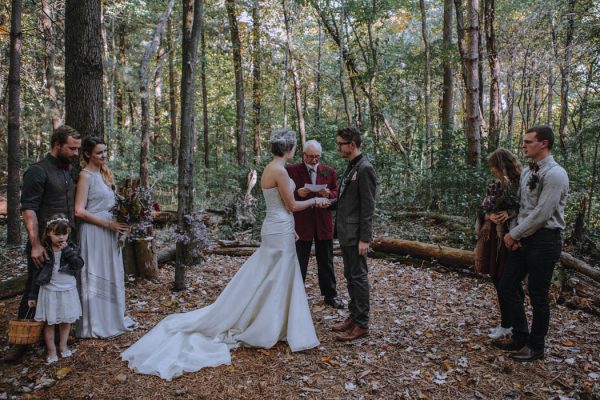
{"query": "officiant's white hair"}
pixel 282 141
pixel 314 144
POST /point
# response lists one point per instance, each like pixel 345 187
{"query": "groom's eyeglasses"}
pixel 312 157
pixel 340 144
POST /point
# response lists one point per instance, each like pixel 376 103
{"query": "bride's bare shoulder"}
pixel 271 174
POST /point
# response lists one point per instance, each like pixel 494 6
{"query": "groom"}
pixel 354 229
pixel 316 223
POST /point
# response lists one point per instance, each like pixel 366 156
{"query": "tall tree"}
pixel 46 17
pixel 342 62
pixel 83 67
pixel 203 86
pixel 472 109
pixel 294 72
pixel 172 93
pixel 144 98
pixel 239 83
pixel 447 122
pixel 256 78
pixel 565 70
pixel 192 10
pixel 13 231
pixel 428 136
pixel 492 51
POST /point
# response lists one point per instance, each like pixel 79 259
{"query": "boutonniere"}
pixel 354 176
pixel 534 178
pixel 324 173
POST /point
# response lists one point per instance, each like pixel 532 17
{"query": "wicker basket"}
pixel 24 331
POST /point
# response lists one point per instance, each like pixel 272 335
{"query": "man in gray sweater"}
pixel 534 244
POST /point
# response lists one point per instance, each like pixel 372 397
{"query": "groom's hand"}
pixel 363 248
pixel 303 192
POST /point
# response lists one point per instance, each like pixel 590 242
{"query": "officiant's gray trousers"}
pixel 357 278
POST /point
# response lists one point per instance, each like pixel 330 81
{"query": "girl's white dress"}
pixel 102 276
pixel 58 300
pixel 264 302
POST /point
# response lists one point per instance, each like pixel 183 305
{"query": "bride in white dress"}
pixel 264 302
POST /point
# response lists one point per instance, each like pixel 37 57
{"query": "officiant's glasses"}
pixel 312 156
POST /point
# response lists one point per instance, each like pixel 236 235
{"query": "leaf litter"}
pixel 428 340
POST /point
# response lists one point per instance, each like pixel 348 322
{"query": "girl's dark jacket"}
pixel 70 263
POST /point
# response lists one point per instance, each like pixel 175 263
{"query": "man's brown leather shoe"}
pixel 15 353
pixel 344 326
pixel 527 354
pixel 356 333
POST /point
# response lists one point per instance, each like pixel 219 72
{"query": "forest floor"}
pixel 428 340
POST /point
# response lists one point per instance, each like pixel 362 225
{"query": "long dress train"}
pixel 264 302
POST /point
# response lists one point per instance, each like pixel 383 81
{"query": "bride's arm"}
pixel 287 196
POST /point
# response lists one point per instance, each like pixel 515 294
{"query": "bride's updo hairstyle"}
pixel 282 141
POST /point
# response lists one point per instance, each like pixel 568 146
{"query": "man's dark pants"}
pixel 24 311
pixel 324 256
pixel 536 258
pixel 357 277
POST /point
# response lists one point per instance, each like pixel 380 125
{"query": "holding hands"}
pixel 321 202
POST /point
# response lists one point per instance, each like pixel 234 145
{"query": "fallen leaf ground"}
pixel 428 340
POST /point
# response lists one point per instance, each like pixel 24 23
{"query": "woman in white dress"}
pixel 102 277
pixel 264 302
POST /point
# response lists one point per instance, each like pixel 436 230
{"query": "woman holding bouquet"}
pixel 102 280
pixel 496 216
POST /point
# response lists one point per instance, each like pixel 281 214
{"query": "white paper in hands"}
pixel 314 188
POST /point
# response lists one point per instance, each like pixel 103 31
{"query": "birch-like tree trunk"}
pixel 256 78
pixel 240 122
pixel 494 62
pixel 565 70
pixel 172 93
pixel 144 98
pixel 427 89
pixel 46 16
pixel 13 228
pixel 473 128
pixel 203 87
pixel 294 72
pixel 447 123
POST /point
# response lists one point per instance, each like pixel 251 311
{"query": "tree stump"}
pixel 129 263
pixel 145 259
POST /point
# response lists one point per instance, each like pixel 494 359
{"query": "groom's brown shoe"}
pixel 344 326
pixel 356 333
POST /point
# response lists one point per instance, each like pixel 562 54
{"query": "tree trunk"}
pixel 427 89
pixel 83 67
pixel 473 128
pixel 146 259
pixel 447 122
pixel 192 11
pixel 13 230
pixel 158 93
pixel 144 98
pixel 46 19
pixel 550 92
pixel 490 36
pixel 294 72
pixel 318 75
pixel 460 35
pixel 565 69
pixel 203 87
pixel 122 119
pixel 239 83
pixel 342 62
pixel 441 254
pixel 256 79
pixel 172 93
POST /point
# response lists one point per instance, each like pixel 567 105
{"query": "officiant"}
pixel 314 179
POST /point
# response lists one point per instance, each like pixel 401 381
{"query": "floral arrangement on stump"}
pixel 134 207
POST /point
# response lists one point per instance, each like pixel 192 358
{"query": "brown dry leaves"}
pixel 428 341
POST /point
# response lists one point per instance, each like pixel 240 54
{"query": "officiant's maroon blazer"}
pixel 314 223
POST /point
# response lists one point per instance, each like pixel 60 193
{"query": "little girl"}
pixel 57 301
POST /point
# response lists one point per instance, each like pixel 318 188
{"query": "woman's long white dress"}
pixel 102 284
pixel 264 302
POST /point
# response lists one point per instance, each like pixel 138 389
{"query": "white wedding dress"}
pixel 264 302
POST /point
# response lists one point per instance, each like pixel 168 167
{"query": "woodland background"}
pixel 186 94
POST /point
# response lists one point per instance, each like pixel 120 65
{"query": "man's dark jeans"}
pixel 357 278
pixel 536 258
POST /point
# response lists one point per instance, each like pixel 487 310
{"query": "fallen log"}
pixel 447 256
pixel 13 287
pixel 568 261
